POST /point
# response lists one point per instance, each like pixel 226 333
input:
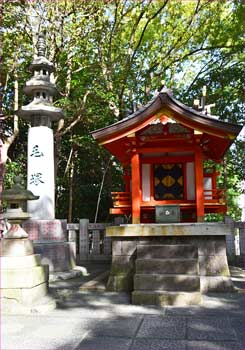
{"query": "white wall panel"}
pixel 190 181
pixel 146 184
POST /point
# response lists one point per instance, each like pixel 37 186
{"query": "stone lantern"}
pixel 41 113
pixel 24 281
pixel 16 198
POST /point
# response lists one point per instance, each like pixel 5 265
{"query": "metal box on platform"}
pixel 167 213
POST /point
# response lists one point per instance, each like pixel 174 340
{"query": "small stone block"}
pixel 216 284
pixel 58 255
pixel 206 246
pixel 166 298
pixel 52 230
pixel 116 247
pixel 120 283
pixel 214 265
pixel 19 262
pixel 166 282
pixel 122 264
pixel 220 245
pixel 24 278
pixel 16 247
pixel 128 247
pixel 25 296
pixel 166 251
pixel 162 266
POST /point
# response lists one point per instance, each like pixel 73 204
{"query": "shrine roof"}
pixel 165 102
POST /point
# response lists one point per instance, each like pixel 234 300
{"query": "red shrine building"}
pixel 162 147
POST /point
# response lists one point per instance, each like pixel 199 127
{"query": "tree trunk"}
pixel 71 165
pixel 4 147
pixel 70 211
pixel 101 188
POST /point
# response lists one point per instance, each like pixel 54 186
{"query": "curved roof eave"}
pixel 165 99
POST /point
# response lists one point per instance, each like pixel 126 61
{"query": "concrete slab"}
pixel 213 345
pixel 104 343
pixel 118 326
pixel 163 327
pixel 210 328
pixel 107 321
pixel 215 304
pixel 158 344
pixel 39 332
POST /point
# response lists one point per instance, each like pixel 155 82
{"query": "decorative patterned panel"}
pixel 168 181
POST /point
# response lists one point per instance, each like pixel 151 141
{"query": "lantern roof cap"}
pixel 43 108
pixel 17 193
pixel 41 63
pixel 35 84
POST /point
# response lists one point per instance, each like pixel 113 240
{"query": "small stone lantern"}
pixel 24 280
pixel 16 198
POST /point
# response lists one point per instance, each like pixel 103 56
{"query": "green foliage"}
pixel 111 56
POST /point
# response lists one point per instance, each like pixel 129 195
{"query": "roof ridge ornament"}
pixel 203 108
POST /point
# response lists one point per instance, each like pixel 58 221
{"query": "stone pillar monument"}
pixel 47 233
pixel 41 113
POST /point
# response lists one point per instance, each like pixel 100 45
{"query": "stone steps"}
pixel 167 266
pixel 162 298
pixel 166 275
pixel 175 282
pixel 166 251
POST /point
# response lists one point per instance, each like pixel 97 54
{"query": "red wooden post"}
pixel 199 185
pixel 135 171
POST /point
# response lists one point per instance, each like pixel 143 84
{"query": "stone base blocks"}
pixel 166 275
pixel 24 281
pixel 162 298
pixel 50 241
pixel 181 261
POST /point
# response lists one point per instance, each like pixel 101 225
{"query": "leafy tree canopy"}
pixel 110 57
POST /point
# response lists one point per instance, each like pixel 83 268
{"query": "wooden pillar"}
pixel 135 171
pixel 199 185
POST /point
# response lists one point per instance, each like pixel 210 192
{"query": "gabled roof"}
pixel 165 104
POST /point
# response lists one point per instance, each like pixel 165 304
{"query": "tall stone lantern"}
pixel 40 112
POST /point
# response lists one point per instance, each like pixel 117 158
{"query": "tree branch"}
pixel 145 27
pixel 61 132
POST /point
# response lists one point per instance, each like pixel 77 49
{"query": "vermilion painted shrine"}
pixel 162 147
pixel 168 255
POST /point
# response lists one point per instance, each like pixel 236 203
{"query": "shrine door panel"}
pixel 168 181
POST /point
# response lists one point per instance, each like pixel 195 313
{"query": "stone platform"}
pixel 208 239
pixel 24 280
pixel 49 238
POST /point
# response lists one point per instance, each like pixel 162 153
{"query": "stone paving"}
pixel 92 320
